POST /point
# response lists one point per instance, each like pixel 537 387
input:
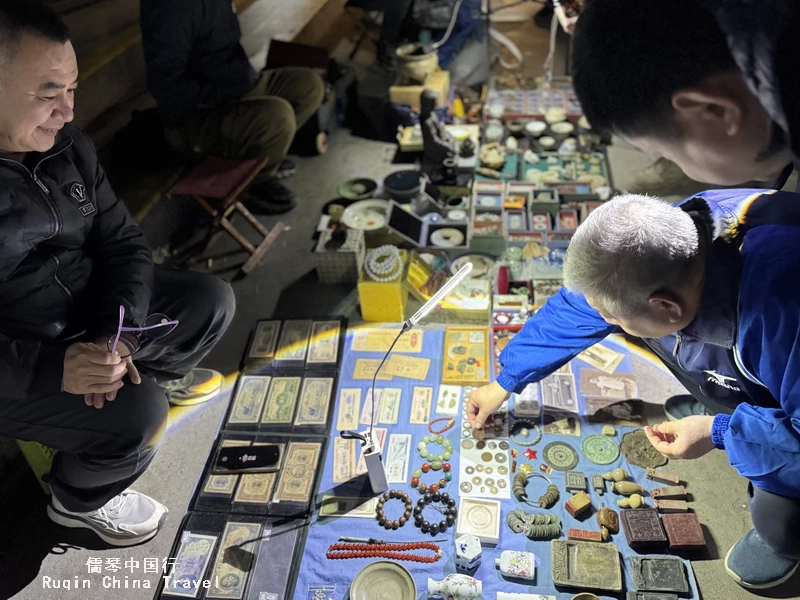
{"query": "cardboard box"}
pixel 384 301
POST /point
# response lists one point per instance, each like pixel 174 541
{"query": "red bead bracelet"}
pixel 450 422
pixel 393 551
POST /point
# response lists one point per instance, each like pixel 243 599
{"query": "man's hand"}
pixel 91 370
pixel 483 402
pixel 689 437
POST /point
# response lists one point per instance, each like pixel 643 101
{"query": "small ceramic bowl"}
pixel 585 596
pixel 494 133
pixel 555 115
pixel 535 128
pixel 562 129
pixel 583 123
pixel 547 142
pixel 515 126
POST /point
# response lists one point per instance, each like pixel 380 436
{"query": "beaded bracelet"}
pixel 450 422
pixel 435 459
pixel 434 487
pixel 381 517
pixel 525 432
pixel 448 509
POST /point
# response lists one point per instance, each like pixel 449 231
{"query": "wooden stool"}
pixel 225 180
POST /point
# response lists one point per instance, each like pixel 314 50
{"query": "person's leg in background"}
pixel 768 554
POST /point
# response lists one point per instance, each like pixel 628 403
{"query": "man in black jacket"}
pixel 90 355
pixel 212 101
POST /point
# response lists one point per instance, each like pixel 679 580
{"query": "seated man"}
pixel 710 286
pixel 212 101
pixel 77 285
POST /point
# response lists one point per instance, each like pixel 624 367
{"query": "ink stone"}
pixel 586 565
pixel 684 531
pixel 650 596
pixel 642 528
pixel 663 574
pixel 576 481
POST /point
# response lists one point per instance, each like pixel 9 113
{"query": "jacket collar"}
pixel 717 318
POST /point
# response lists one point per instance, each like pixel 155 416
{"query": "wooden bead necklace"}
pixel 381 517
pixel 450 422
pixel 393 551
pixel 447 509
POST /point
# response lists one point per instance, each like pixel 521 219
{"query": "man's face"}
pixel 36 94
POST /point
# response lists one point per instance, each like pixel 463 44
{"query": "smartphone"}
pixel 248 459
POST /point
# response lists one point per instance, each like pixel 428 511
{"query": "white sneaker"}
pixel 126 520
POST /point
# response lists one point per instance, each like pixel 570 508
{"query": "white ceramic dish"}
pixel 366 215
pixel 562 128
pixel 382 580
pixel 535 128
pixel 547 142
pixel 447 237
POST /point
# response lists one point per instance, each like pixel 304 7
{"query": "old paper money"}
pixel 409 367
pixel 365 369
pixel 233 561
pixel 315 398
pixel 294 340
pixel 297 475
pixel 379 340
pixel 397 457
pixel 224 484
pixel 349 405
pixel 338 506
pixel 256 488
pixel 281 400
pixel 602 357
pixel 190 564
pixel 264 339
pixel 324 348
pixel 380 433
pixel 344 459
pixel 421 406
pixel 390 406
pixel 370 411
pixel 250 396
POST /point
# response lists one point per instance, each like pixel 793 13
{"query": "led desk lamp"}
pixel 371 450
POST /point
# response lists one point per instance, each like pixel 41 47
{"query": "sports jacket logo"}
pixel 78 192
pixel 722 380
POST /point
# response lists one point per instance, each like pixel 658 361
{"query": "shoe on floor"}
pixel 753 564
pixel 200 385
pixel 271 191
pixel 126 520
pixel 679 407
pixel 286 169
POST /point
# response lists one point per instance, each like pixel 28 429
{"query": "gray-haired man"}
pixel 710 286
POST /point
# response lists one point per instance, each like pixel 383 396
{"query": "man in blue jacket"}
pixel 711 287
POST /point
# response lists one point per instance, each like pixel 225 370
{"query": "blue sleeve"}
pixel 763 444
pixel 564 327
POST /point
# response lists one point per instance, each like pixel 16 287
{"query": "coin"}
pixel 501 483
pixel 465 433
pixel 489 470
pixel 476 480
pixel 600 449
pixel 483 489
pixel 479 468
pixel 467 444
pixel 486 457
pixel 560 456
pixel 469 470
pixel 481 445
pixel 488 481
pixel 502 469
pixel 503 445
pixel 492 445
pixel 501 457
pixel 465 487
pixel 493 490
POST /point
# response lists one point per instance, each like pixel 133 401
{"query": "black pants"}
pixel 102 452
pixel 776 518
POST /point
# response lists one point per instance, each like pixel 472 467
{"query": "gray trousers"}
pixel 102 452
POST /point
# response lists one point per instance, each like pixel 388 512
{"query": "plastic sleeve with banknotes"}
pixel 563 328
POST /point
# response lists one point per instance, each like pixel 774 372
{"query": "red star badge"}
pixel 530 454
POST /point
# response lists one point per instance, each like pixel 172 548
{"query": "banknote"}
pixel 294 340
pixel 250 395
pixel 397 457
pixel 390 406
pixel 365 369
pixel 281 400
pixel 349 405
pixel 558 392
pixel 231 568
pixel 602 357
pixel 297 475
pixel 324 348
pixel 256 488
pixel 337 506
pixel 344 459
pixel 264 339
pixel 448 400
pixel 380 434
pixel 370 411
pixel 224 484
pixel 190 564
pixel 409 367
pixel 315 398
pixel 380 340
pixel 421 406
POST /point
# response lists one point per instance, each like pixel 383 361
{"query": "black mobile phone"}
pixel 248 459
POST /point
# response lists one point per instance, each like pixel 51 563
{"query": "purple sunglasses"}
pixel 156 322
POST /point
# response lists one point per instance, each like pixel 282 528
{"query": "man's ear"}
pixel 714 106
pixel 667 306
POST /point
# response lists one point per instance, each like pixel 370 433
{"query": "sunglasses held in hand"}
pixel 156 327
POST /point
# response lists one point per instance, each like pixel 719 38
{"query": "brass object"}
pixel 640 452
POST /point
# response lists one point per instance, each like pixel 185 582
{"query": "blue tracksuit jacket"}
pixel 742 350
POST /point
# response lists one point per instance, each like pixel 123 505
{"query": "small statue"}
pixel 437 142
